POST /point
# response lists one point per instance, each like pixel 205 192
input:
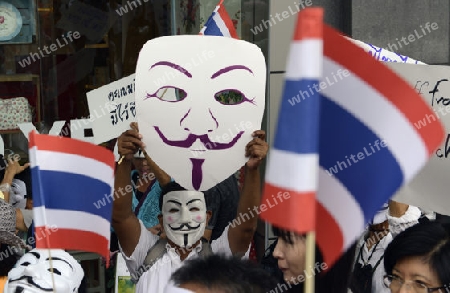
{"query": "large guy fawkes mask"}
pixel 198 100
pixel 32 273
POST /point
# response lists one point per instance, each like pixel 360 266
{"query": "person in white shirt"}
pixel 388 222
pixel 184 218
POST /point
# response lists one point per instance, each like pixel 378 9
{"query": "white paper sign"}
pixel 119 95
pixel 385 55
pixel 430 188
pixel 198 101
pixel 123 282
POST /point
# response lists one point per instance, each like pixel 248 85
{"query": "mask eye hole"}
pixel 169 94
pixel 55 270
pixel 173 210
pixel 25 264
pixel 194 209
pixel 229 97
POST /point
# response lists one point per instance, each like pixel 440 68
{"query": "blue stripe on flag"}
pixel 211 26
pixel 80 192
pixel 297 128
pixel 341 135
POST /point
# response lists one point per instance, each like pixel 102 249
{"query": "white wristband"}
pixel 5 187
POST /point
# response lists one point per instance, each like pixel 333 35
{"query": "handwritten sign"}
pixel 120 112
pixel 385 55
pixel 429 189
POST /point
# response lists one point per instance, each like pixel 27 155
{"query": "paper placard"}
pixel 429 189
pixel 198 107
pixel 119 95
pixel 385 55
pixel 123 282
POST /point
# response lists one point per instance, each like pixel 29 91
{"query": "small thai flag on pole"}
pixel 68 177
pixel 219 24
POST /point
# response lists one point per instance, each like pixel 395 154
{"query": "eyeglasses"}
pixel 395 283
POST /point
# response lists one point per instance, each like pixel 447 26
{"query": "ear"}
pixel 208 217
pixel 160 219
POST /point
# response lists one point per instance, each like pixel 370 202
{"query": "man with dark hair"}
pixel 221 274
pixel 183 220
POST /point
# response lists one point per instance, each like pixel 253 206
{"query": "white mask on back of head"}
pixel 32 273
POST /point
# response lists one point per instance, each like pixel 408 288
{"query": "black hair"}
pixel 172 186
pixel 25 176
pixel 2 167
pixel 335 279
pixel 429 241
pixel 225 274
pixel 8 257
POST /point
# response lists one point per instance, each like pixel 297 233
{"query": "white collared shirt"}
pixel 156 278
pixel 396 226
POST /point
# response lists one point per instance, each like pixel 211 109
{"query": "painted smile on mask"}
pixel 29 283
pixel 189 228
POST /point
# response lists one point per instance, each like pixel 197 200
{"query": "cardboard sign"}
pixel 123 282
pixel 119 95
pixel 385 55
pixel 198 101
pixel 429 189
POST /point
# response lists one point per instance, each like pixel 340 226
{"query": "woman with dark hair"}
pixel 290 251
pixel 419 258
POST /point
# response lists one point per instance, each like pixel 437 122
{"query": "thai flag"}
pixel 368 144
pixel 295 151
pixel 68 177
pixel 219 24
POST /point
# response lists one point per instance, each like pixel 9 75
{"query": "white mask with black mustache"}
pixel 32 273
pixel 184 217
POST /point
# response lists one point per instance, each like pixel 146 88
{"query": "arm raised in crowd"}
pixel 125 223
pixel 241 233
pixel 12 169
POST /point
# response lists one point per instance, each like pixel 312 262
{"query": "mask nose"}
pixel 36 270
pixel 185 216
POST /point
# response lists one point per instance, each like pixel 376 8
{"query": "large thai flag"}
pixel 68 177
pixel 219 24
pixel 293 161
pixel 368 144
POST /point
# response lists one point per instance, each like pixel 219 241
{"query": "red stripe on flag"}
pixel 228 22
pixel 385 81
pixel 66 145
pixel 309 24
pixel 329 236
pixel 70 239
pixel 295 212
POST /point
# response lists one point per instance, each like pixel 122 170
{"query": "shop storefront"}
pixel 53 52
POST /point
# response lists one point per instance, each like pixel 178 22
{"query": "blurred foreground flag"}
pixel 219 24
pixel 68 177
pixel 293 163
pixel 368 144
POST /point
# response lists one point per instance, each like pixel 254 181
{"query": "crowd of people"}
pixel 178 240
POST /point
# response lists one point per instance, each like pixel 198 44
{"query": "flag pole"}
pixel 33 161
pixel 309 285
